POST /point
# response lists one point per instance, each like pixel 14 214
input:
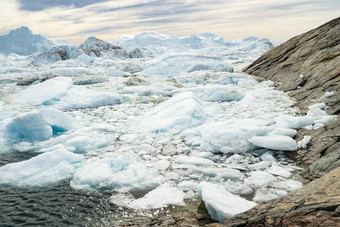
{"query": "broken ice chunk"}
pixel 41 170
pixel 179 112
pixel 274 142
pixel 220 203
pixel 37 125
pixel 162 196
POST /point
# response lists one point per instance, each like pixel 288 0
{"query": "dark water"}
pixel 57 205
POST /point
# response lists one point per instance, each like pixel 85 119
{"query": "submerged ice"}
pixel 154 121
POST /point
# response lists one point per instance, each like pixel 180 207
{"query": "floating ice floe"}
pixel 227 137
pixel 38 125
pixel 61 92
pixel 218 93
pixel 220 203
pixel 125 171
pixel 274 142
pixel 178 113
pixel 47 92
pixel 42 170
pixel 162 196
pixel 80 97
pixel 172 65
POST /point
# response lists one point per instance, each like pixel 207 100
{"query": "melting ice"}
pixel 166 115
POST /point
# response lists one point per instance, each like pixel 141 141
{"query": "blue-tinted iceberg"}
pixel 126 171
pixel 38 125
pixel 227 137
pixel 44 169
pixel 47 92
pixel 178 113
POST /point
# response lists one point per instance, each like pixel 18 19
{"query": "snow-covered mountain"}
pixel 158 43
pixel 24 41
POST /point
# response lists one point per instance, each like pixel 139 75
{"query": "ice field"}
pixel 170 116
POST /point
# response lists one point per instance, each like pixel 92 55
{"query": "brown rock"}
pixel 316 56
pixel 307 66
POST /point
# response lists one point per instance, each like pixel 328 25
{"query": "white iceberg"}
pixel 38 125
pixel 220 203
pixel 47 92
pixel 178 113
pixel 274 142
pixel 228 137
pixel 41 170
pixel 162 196
pixel 172 65
pixel 126 171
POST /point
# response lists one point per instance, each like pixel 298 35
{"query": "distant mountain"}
pixel 24 41
pixel 158 43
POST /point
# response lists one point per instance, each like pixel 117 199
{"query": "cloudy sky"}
pixel 75 20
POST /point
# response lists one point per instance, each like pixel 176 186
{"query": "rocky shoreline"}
pixel 307 66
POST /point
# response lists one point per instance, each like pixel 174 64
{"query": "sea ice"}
pixel 220 203
pixel 274 142
pixel 179 112
pixel 193 160
pixel 162 196
pixel 229 136
pixel 258 179
pixel 278 170
pixel 41 170
pixel 47 92
pixel 126 171
pixel 265 194
pixel 38 125
pixel 172 65
pixel 218 93
pixel 81 97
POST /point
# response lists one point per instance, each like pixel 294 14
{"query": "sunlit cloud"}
pixel 107 19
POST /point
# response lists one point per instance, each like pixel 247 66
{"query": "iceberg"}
pixel 38 125
pixel 227 137
pixel 61 93
pixel 164 195
pixel 111 173
pixel 42 170
pixel 274 142
pixel 23 41
pixel 178 113
pixel 172 65
pixel 220 203
pixel 47 92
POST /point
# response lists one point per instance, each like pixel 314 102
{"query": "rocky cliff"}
pixel 308 67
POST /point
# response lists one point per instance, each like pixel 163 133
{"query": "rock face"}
pixel 308 66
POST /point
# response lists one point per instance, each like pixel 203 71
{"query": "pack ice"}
pixel 155 115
